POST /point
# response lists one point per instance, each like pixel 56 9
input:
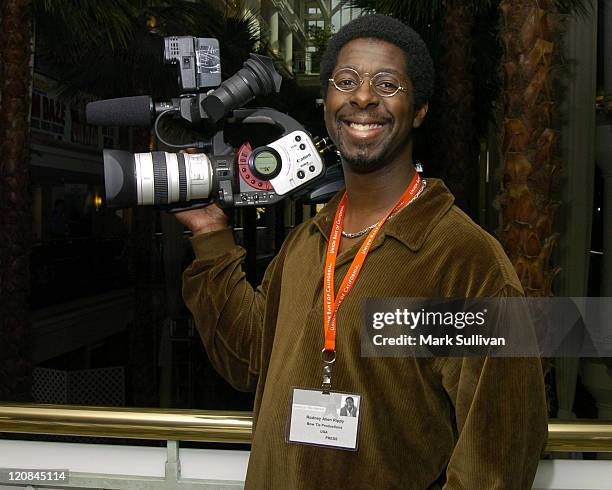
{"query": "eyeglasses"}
pixel 384 84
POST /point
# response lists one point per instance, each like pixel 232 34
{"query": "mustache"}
pixel 366 115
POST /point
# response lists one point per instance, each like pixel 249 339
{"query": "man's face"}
pixel 371 131
pixel 349 403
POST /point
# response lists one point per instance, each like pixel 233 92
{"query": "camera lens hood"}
pixel 119 178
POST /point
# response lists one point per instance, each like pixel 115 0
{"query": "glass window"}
pixel 336 20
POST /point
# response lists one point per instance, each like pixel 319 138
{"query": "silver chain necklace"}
pixel 359 233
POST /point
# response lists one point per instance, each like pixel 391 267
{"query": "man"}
pixel 474 423
pixel 349 409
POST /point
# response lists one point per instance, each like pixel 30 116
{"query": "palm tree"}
pixel 531 169
pixel 15 218
pixel 456 148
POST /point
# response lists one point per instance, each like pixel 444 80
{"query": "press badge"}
pixel 330 420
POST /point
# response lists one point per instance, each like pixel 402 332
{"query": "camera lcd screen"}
pixel 265 163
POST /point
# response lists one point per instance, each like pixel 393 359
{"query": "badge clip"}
pixel 328 357
pixel 326 385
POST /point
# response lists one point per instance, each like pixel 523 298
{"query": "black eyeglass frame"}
pixel 370 78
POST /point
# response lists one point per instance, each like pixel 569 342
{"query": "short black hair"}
pixel 420 67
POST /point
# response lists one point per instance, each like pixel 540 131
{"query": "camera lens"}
pixel 155 178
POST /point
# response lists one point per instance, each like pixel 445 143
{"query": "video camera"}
pixel 233 177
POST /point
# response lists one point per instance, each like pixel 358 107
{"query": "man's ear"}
pixel 419 115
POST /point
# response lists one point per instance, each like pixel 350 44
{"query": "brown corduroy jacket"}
pixel 461 423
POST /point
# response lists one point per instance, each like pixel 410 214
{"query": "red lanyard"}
pixel 331 304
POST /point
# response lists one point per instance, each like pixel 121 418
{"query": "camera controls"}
pixel 301 162
pixel 281 166
pixel 259 198
pixel 247 174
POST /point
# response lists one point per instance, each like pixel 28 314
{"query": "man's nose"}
pixel 364 96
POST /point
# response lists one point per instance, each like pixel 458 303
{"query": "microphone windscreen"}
pixel 125 111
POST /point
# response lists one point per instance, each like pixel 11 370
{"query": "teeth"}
pixel 364 126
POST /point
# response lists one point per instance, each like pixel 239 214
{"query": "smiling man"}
pixel 421 423
pixel 370 114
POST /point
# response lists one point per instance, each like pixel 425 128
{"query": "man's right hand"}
pixel 203 220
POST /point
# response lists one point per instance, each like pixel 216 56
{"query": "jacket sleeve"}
pixel 228 312
pixel 501 418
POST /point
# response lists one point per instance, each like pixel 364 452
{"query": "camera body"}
pixel 231 176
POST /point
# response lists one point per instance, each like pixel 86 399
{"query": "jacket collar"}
pixel 411 226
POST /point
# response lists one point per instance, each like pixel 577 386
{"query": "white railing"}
pixel 139 467
pixel 121 467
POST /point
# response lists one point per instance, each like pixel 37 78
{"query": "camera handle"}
pixel 255 115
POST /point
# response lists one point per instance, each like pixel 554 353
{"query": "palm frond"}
pixel 109 21
pixel 416 13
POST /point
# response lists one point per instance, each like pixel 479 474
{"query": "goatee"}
pixel 361 163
